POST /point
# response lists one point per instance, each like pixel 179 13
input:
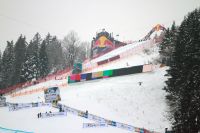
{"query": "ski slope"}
pixel 132 60
pixel 119 51
pixel 134 54
pixel 119 99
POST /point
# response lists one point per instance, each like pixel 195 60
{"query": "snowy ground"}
pixel 122 99
pixel 119 99
pixel 27 120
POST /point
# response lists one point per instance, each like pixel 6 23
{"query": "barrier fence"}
pixel 62 74
pixel 35 90
pixel 63 112
pixel 102 120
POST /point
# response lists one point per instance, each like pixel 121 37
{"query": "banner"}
pixel 71 110
pixel 41 104
pixel 109 73
pixel 53 114
pixel 52 95
pixel 88 125
pixel 18 106
pixel 125 126
pixel 96 118
pixel 14 107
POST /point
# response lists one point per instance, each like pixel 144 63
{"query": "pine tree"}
pixel 19 53
pixel 7 65
pixel 0 62
pixel 183 84
pixel 55 55
pixel 43 60
pixel 167 45
pixel 0 71
pixel 30 68
pixel 190 104
pixel 36 42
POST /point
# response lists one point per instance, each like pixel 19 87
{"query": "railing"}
pixel 58 75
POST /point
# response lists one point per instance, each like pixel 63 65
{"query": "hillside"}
pixel 120 99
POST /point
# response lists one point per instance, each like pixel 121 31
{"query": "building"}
pixel 103 43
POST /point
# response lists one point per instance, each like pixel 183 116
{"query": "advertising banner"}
pixel 53 114
pixel 110 73
pixel 97 74
pixel 83 76
pixel 41 104
pixel 89 125
pixel 96 118
pixel 52 95
pixel 147 68
pixel 125 126
pixel 18 106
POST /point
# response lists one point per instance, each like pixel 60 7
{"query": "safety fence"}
pixel 8 130
pixel 36 90
pixel 99 119
pixel 62 74
pixel 109 73
pixel 63 110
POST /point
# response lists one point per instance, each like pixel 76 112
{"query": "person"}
pixel 140 83
pixel 86 114
pixel 60 109
pixel 38 115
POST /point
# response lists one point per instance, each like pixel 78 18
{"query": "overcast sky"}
pixel 131 19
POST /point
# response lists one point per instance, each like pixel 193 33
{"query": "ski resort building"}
pixel 103 43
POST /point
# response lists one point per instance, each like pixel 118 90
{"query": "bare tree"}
pixel 85 48
pixel 71 43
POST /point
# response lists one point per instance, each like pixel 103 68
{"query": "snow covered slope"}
pixel 123 99
pixel 119 99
